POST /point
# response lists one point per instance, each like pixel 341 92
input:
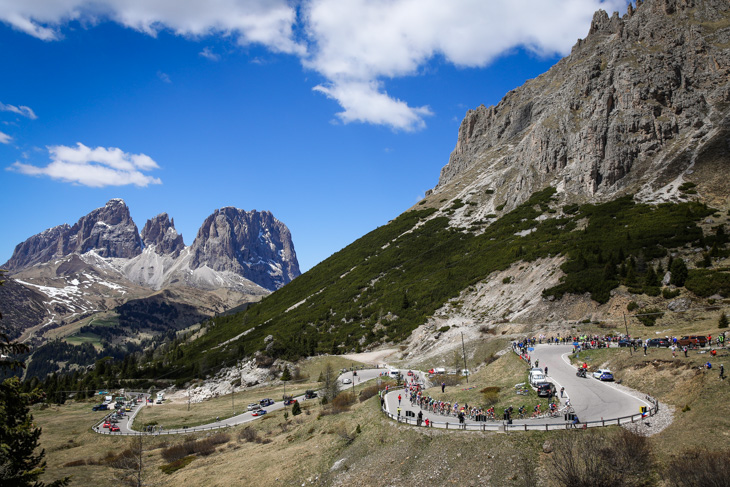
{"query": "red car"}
pixel 106 424
pixel 259 412
pixel 114 428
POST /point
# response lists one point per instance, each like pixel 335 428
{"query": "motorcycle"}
pixel 581 373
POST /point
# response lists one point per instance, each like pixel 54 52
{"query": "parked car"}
pixel 266 402
pixel 546 389
pixel 253 406
pixel 106 424
pixel 288 400
pixel 692 341
pixel 659 342
pixel 114 428
pixel 347 381
pixel 537 378
pixel 99 407
pixel 603 374
pixel 259 412
pixel 310 394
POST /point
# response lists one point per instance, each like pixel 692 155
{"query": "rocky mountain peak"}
pixel 109 231
pixel 160 233
pixel 640 105
pixel 253 244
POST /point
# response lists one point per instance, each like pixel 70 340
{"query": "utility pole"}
pixel 463 350
pixel 631 351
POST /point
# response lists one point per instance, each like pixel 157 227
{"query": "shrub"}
pixel 176 465
pixel 249 434
pixel 219 438
pixel 722 322
pixel 342 402
pixel 173 453
pixel 705 282
pixel 75 463
pixel 709 467
pixel 598 460
pixel 632 306
pixel 669 293
pixel 490 395
pixel 296 409
pixel 649 316
pixel 679 272
pixel 444 329
pixel 507 280
pixel 367 393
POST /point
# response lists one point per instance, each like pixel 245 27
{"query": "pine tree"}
pixel 21 464
pixel 679 272
pixel 286 375
pixel 296 409
pixel 722 322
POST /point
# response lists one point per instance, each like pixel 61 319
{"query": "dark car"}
pixel 310 394
pixel 659 342
pixel 546 389
pixel 99 407
pixel 266 402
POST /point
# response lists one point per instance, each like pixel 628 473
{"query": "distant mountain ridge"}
pixel 233 248
pixel 70 272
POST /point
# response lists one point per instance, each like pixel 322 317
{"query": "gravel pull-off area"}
pixel 651 425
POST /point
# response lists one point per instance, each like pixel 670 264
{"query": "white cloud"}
pixel 20 110
pixel 209 54
pixel 267 22
pixel 356 44
pixel 164 77
pixel 364 101
pixel 97 167
pixel 5 138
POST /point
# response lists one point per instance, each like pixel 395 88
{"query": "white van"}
pixel 393 372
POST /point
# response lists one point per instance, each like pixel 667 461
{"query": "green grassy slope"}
pixel 382 286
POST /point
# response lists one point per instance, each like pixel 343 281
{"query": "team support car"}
pixel 253 407
pixel 347 381
pixel 106 424
pixel 603 374
pixel 99 407
pixel 114 428
pixel 259 412
pixel 546 389
pixel 658 342
pixel 266 402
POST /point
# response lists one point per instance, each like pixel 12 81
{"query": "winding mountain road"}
pixel 591 399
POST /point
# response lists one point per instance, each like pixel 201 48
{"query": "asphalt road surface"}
pixel 591 399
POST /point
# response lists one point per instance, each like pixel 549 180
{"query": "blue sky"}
pixel 335 115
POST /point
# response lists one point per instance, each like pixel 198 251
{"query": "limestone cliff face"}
pixel 109 231
pixel 641 101
pixel 253 244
